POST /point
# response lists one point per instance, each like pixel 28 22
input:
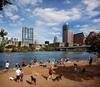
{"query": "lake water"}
pixel 16 57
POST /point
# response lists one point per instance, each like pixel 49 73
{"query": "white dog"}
pixel 11 78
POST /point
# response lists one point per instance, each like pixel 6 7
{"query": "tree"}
pixel 3 33
pixel 95 44
pixel 3 3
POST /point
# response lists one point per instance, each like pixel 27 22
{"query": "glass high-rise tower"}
pixel 67 36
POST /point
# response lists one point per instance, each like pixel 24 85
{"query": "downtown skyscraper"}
pixel 67 36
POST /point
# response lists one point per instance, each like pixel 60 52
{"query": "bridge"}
pixel 74 47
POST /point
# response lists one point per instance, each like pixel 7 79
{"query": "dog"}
pixel 45 77
pixel 33 79
pixel 75 67
pixel 59 77
pixel 11 78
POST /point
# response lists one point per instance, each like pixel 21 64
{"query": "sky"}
pixel 48 16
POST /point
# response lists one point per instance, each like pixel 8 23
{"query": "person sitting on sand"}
pixel 18 73
pixel 50 73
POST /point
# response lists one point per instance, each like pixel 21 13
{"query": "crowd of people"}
pixel 51 71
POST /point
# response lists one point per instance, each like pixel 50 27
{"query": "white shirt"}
pixel 18 72
pixel 7 65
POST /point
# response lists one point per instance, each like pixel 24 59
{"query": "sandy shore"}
pixel 70 78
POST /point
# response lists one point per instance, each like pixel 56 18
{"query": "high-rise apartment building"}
pixel 67 36
pixel 27 35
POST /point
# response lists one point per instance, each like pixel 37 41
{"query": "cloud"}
pixel 67 1
pixel 91 5
pixel 30 1
pixel 87 30
pixel 82 26
pixel 1 16
pixel 39 23
pixel 53 15
pixel 9 14
pixel 11 8
pixel 15 17
pixel 28 10
pixel 96 20
pixel 54 33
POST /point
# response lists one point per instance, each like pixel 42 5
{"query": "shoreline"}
pixel 73 78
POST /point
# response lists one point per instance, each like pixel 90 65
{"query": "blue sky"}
pixel 48 16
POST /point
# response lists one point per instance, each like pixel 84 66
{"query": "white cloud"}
pixel 11 8
pixel 54 33
pixel 22 19
pixel 29 1
pixel 67 1
pixel 51 24
pixel 90 6
pixel 9 14
pixel 96 20
pixel 28 10
pixel 53 15
pixel 39 23
pixel 15 17
pixel 1 16
pixel 88 30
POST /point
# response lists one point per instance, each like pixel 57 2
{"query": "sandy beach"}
pixel 70 78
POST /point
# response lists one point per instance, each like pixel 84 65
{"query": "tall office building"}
pixel 55 39
pixel 27 35
pixel 67 36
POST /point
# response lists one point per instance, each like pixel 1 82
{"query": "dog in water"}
pixel 33 79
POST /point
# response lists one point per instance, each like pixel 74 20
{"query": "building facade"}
pixel 79 39
pixel 89 37
pixel 67 36
pixel 55 39
pixel 27 35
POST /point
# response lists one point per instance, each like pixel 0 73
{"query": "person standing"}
pixel 31 62
pixel 7 64
pixel 23 62
pixel 21 74
pixel 18 73
pixel 90 61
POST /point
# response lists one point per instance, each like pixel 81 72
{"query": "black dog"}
pixel 33 79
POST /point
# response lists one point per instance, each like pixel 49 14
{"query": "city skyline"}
pixel 48 16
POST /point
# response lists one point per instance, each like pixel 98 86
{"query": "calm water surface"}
pixel 16 57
